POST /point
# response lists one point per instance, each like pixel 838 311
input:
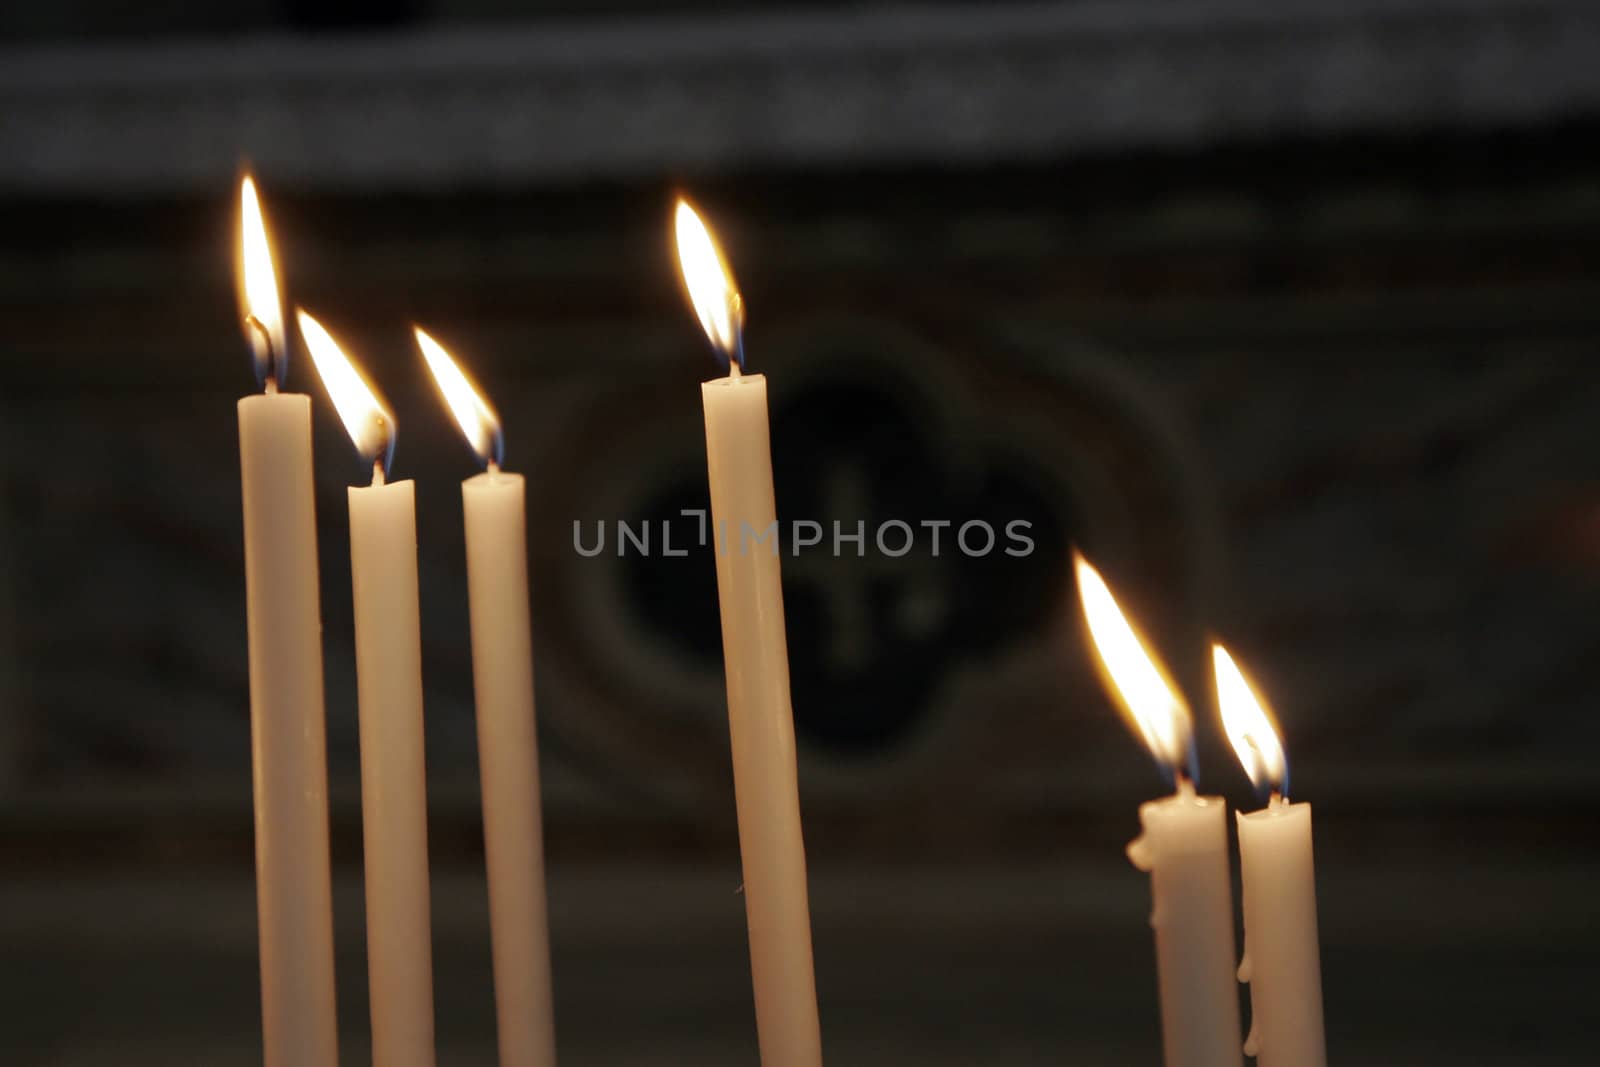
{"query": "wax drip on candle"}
pixel 1252 1041
pixel 1139 855
pixel 1245 971
pixel 1138 850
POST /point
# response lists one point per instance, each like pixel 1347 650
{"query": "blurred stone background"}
pixel 1284 313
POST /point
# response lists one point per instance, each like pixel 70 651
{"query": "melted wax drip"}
pixel 1139 855
pixel 1252 1042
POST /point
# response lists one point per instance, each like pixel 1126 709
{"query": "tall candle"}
pixel 1282 958
pixel 394 809
pixel 508 748
pixel 756 660
pixel 1184 847
pixel 294 898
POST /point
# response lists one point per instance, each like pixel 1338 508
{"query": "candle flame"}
pixel 366 417
pixel 466 402
pixel 1134 676
pixel 1249 725
pixel 260 307
pixel 711 287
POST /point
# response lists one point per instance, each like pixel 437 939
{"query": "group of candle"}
pixel 294 896
pixel 1184 844
pixel 288 720
pixel 1184 847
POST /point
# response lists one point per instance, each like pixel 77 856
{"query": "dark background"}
pixel 1285 312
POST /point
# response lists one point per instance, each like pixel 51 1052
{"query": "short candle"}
pixel 1282 958
pixel 1183 846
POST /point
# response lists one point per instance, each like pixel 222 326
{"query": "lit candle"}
pixel 1282 961
pixel 1184 847
pixel 394 807
pixel 756 660
pixel 508 745
pixel 294 898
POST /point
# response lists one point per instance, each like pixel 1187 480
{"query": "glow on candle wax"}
pixel 476 417
pixel 1137 680
pixel 366 417
pixel 1249 725
pixel 712 290
pixel 260 306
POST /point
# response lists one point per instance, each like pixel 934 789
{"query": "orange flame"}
pixel 1134 676
pixel 366 417
pixel 477 419
pixel 260 306
pixel 711 287
pixel 1249 725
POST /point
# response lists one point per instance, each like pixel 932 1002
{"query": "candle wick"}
pixel 266 356
pixel 1185 786
pixel 494 468
pixel 734 370
pixel 1277 800
pixel 377 473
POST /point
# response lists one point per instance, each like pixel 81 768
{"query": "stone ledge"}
pixel 857 88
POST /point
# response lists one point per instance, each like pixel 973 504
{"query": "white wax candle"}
pixel 394 805
pixel 294 898
pixel 755 656
pixel 760 720
pixel 1184 847
pixel 1282 960
pixel 508 758
pixel 508 744
pixel 394 808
